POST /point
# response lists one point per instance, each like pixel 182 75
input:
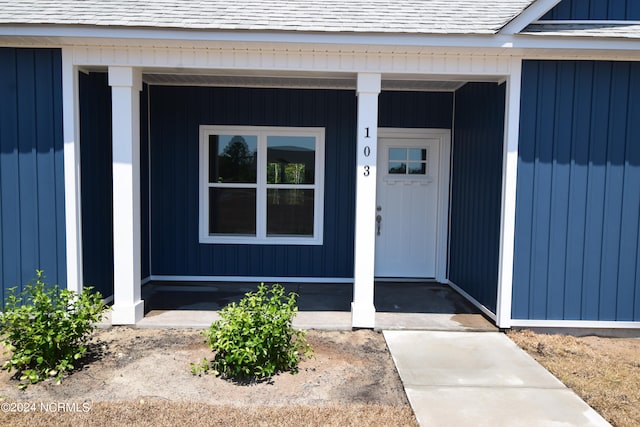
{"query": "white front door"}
pixel 408 207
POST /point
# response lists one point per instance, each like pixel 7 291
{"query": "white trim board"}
pixel 508 195
pixel 52 35
pixel 163 278
pixel 472 300
pixel 594 324
pixel 71 166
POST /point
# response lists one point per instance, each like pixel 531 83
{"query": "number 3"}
pixel 366 170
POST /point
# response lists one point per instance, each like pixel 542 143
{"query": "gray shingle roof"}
pixel 376 16
pixel 631 30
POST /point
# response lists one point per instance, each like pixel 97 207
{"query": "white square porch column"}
pixel 363 312
pixel 126 84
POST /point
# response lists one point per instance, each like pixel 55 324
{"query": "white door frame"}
pixel 444 164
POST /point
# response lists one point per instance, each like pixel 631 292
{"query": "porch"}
pixel 399 305
pixel 155 149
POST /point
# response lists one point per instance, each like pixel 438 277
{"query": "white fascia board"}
pixel 532 13
pixel 81 34
pixel 502 44
pixel 138 44
pixel 59 35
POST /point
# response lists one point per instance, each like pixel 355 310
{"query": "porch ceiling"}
pixel 312 81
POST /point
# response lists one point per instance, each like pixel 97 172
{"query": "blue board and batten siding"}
pixel 476 190
pixel 32 224
pixel 97 181
pixel 145 262
pixel 175 116
pixel 578 192
pixel 628 10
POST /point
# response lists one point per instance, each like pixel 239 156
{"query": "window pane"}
pixel 289 212
pixel 397 154
pixel 232 158
pixel 397 168
pixel 232 211
pixel 416 154
pixel 291 159
pixel 417 168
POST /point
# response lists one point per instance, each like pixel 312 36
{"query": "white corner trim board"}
pixel 508 204
pixel 71 162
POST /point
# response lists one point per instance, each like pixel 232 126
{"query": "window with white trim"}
pixel 261 185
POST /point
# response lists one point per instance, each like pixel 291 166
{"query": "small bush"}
pixel 254 338
pixel 47 329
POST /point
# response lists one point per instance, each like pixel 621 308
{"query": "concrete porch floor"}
pixel 414 306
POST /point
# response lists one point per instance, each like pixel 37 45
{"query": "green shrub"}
pixel 254 338
pixel 47 329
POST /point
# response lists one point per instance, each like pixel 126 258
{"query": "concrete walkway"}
pixel 481 379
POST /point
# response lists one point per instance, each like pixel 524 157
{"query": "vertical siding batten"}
pixel 560 184
pixel 27 161
pixel 543 174
pixel 614 189
pixel 577 203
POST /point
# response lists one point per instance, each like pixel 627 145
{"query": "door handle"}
pixel 378 223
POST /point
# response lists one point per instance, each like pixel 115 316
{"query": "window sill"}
pixel 240 240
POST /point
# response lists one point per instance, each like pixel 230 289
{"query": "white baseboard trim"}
pixel 473 301
pixel 405 279
pixel 160 278
pixel 593 324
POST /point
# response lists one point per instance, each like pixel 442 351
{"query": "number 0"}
pixel 367 151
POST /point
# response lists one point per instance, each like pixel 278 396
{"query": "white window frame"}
pixel 261 238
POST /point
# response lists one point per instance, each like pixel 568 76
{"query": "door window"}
pixel 407 161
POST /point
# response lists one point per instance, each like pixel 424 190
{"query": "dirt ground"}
pixel 605 372
pixel 143 377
